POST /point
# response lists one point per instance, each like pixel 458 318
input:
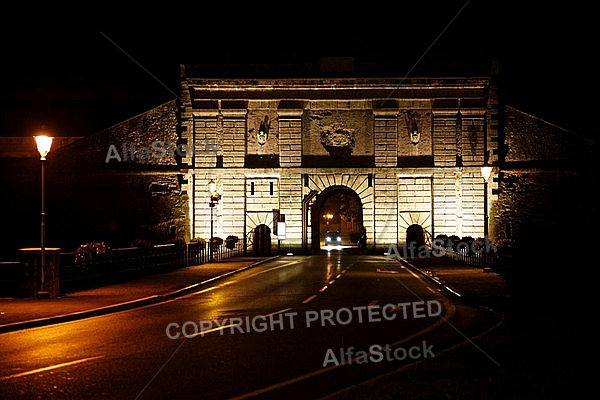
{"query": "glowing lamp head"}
pixel 212 186
pixel 43 143
pixel 486 171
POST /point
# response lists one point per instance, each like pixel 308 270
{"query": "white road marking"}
pixel 311 298
pixel 49 368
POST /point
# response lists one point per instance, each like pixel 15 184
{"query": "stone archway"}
pixel 317 210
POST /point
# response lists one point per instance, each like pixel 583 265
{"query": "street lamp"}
pixel 43 143
pixel 214 199
pixel 486 171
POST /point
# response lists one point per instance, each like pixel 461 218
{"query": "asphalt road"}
pixel 295 327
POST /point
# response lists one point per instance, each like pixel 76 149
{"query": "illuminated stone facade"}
pixel 410 150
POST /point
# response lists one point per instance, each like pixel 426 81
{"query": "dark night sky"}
pixel 78 80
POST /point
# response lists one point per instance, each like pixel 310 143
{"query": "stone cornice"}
pixel 327 89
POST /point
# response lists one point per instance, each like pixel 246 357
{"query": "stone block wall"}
pixel 92 197
pixel 127 145
pixel 546 183
pixel 262 192
pixel 472 204
pixel 528 138
pixel 447 201
pixel 227 215
pixel 554 210
pixel 458 202
pixel 118 208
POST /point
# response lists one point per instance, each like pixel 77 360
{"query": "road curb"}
pixel 196 286
pixel 128 305
pixel 448 290
pixel 456 294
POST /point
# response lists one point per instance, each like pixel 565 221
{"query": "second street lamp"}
pixel 44 143
pixel 214 199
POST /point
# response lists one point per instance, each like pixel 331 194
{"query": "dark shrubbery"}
pixel 231 241
pixel 453 242
pixel 216 243
pixel 92 252
pixel 144 245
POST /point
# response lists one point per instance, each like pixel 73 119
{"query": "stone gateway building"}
pixel 408 151
pixel 404 155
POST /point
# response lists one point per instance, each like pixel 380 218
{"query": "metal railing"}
pixel 127 263
pixel 224 251
pixel 483 259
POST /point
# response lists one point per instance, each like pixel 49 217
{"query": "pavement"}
pixel 24 313
pixel 459 280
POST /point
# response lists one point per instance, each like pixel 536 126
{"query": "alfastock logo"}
pixel 159 149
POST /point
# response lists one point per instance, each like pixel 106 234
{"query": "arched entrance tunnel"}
pixel 261 243
pixel 415 234
pixel 336 209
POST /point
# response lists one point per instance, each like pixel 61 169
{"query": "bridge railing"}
pixel 74 272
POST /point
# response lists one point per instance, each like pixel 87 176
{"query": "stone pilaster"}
pixel 386 208
pixel 386 138
pixel 444 143
pixel 290 138
pixel 234 138
pixel 290 196
pixel 206 132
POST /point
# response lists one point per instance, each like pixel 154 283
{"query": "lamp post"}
pixel 43 143
pixel 486 171
pixel 214 199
